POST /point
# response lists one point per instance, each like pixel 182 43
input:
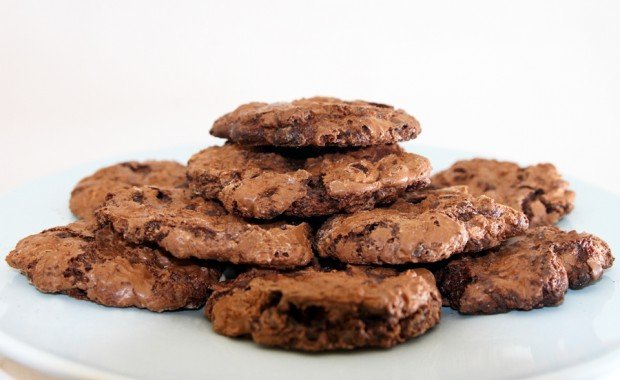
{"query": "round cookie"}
pixel 189 226
pixel 313 310
pixel 538 190
pixel 317 121
pixel 262 183
pixel 583 255
pixel 88 262
pixel 91 191
pixel 424 227
pixel 526 272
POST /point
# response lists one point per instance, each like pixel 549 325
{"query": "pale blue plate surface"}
pixel 579 339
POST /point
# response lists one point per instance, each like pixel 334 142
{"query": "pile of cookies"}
pixel 311 229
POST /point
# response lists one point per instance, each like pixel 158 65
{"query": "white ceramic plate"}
pixel 67 337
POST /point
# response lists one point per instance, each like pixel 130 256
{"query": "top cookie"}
pixel 90 192
pixel 538 190
pixel 317 121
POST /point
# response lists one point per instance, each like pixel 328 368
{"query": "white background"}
pixel 523 80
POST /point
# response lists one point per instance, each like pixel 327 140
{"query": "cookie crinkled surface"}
pixel 538 190
pixel 526 272
pixel 189 226
pixel 91 191
pixel 317 121
pixel 85 261
pixel 423 227
pixel 265 183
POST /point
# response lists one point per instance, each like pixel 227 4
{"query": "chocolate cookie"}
pixel 87 262
pixel 91 191
pixel 538 190
pixel 316 121
pixel 426 227
pixel 526 272
pixel 260 183
pixel 189 226
pixel 316 311
pixel 584 256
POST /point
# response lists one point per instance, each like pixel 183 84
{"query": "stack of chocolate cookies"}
pixel 311 229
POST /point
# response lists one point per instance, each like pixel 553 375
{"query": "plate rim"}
pixel 49 363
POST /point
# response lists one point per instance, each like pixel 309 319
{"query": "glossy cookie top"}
pixel 91 191
pixel 318 121
pixel 526 272
pixel 265 183
pixel 539 190
pixel 190 226
pixel 90 262
pixel 424 227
